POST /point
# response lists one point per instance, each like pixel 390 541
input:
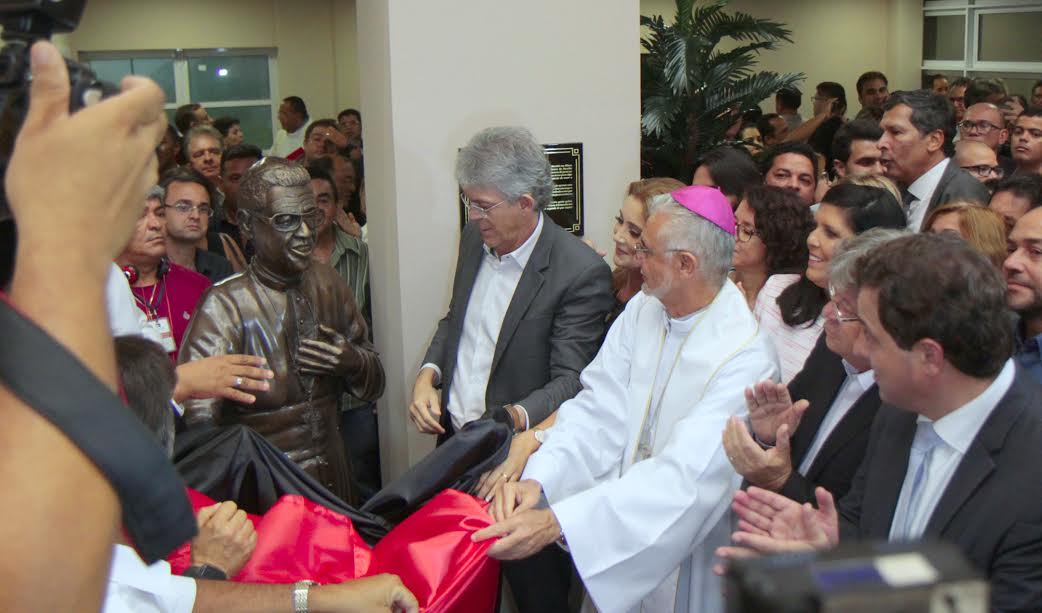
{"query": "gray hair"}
pixel 686 231
pixel 197 131
pixel 156 192
pixel 845 258
pixel 508 159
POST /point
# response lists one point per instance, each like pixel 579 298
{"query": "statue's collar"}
pixel 273 281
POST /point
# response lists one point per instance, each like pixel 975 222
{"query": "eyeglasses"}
pixel 643 251
pixel 981 126
pixel 186 208
pixel 984 170
pixel 745 233
pixel 289 222
pixel 480 209
pixel 840 317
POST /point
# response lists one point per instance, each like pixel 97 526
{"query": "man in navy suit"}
pixel 952 452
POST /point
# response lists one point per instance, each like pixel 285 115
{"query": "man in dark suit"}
pixel 837 400
pixel 916 149
pixel 527 315
pixel 954 462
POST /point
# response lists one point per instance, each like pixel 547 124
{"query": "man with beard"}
pixel 187 198
pixel 1023 270
pixel 296 313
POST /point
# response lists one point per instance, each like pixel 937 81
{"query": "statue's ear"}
pixel 245 224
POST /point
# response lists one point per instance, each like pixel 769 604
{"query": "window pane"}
pixel 944 37
pixel 254 120
pixel 1015 83
pixel 1010 37
pixel 158 69
pixel 223 77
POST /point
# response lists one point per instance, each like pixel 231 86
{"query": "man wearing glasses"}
pixel 983 122
pixel 527 314
pixel 187 200
pixel 300 316
pixel 979 160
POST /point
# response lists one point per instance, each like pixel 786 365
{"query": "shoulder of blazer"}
pixel 1017 416
pixel 558 246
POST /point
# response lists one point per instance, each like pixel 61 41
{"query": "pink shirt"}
pixel 174 297
pixel 793 344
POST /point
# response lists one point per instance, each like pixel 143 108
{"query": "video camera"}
pixel 25 22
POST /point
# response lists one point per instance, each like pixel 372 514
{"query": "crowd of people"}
pixel 828 332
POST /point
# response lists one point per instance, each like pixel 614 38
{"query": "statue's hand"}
pixel 333 356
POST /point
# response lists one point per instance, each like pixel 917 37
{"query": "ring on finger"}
pixel 503 476
pixel 238 381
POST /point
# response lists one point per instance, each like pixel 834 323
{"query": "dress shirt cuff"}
pixel 524 412
pixel 437 371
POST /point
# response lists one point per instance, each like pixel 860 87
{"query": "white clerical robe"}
pixel 630 523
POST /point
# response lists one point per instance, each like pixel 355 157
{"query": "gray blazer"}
pixel 957 184
pixel 553 326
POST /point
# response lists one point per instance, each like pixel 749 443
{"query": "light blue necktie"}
pixel 926 440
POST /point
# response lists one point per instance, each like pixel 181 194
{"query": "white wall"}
pixel 434 74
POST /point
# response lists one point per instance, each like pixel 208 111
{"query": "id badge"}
pixel 163 334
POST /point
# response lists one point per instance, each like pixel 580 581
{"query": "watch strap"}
pixel 301 589
pixel 205 571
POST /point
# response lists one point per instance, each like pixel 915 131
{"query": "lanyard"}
pixel 151 305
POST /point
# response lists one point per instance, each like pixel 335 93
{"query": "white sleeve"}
pixel 124 316
pixel 586 443
pixel 627 534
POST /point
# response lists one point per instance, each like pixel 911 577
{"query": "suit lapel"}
pixel 828 377
pixel 857 420
pixel 884 487
pixel 466 274
pixel 527 289
pixel 979 462
pixel 942 185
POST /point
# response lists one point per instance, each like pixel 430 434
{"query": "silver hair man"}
pixel 845 258
pixel 687 231
pixel 509 159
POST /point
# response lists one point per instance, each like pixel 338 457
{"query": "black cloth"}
pixel 235 463
pixel 957 184
pixel 52 381
pixel 991 508
pixel 838 459
pixel 553 326
pixel 821 139
pixel 359 429
pixel 214 267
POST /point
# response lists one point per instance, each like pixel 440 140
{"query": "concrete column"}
pixel 431 75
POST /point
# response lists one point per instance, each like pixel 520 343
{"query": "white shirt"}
pixel 137 588
pixel 854 386
pixel 286 143
pixel 923 189
pixel 493 290
pixel 957 429
pixel 793 343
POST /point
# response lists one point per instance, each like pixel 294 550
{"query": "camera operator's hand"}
pixel 105 157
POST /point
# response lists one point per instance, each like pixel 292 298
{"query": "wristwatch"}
pixel 300 595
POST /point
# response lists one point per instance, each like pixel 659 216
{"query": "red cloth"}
pixel 430 551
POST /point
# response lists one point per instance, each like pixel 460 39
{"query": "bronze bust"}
pixel 297 313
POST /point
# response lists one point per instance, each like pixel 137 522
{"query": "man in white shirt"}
pixel 633 469
pixel 293 117
pixel 527 314
pixel 949 454
pixel 916 149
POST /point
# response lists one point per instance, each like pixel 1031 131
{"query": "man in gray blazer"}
pixel 916 149
pixel 528 309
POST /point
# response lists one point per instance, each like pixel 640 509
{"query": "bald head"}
pixel 974 153
pixel 983 122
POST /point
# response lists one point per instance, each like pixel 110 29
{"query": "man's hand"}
pixel 771 523
pixel 1011 109
pixel 334 357
pixel 376 594
pixel 92 210
pixel 766 468
pixel 346 222
pixel 521 448
pixel 226 538
pixel 425 410
pixel 513 498
pixel 521 535
pixel 769 407
pixel 223 376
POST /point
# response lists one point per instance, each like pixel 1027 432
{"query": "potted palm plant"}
pixel 692 92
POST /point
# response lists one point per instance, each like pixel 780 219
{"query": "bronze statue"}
pixel 297 313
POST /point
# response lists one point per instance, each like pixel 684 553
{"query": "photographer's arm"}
pixel 75 206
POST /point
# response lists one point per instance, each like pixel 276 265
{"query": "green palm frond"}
pixel 691 91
